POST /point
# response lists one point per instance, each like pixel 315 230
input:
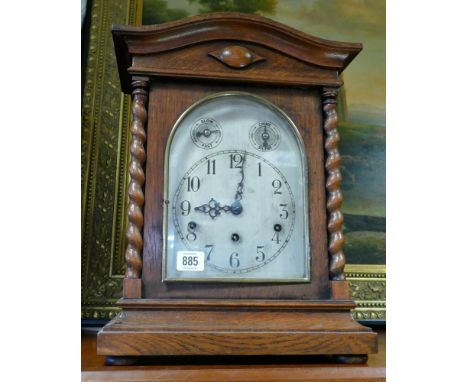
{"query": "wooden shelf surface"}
pixel 245 369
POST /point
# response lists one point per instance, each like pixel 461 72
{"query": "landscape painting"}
pixel 361 103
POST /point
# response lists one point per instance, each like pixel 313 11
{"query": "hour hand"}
pixel 213 208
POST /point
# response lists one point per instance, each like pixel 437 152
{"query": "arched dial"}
pixel 220 203
pixel 235 201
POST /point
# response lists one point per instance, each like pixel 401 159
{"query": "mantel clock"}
pixel 234 233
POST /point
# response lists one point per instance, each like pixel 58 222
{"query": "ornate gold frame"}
pixel 104 156
pixel 367 284
pixel 104 151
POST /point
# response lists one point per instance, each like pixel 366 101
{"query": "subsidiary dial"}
pixel 264 136
pixel 206 133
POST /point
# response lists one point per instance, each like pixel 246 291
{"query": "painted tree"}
pixel 246 6
pixel 157 11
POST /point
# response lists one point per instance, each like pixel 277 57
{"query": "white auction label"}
pixel 192 261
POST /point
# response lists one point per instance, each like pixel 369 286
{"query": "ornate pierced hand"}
pixel 236 206
pixel 213 208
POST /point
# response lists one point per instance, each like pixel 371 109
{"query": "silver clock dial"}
pixel 236 207
pixel 222 197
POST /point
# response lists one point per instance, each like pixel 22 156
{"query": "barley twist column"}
pixel 137 180
pixel 336 256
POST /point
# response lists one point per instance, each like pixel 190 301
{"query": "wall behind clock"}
pixel 105 121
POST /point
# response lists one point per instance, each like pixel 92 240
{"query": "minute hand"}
pixel 236 206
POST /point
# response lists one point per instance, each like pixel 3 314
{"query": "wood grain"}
pixel 333 185
pixel 235 332
pixel 133 43
pixel 137 179
pixel 253 368
pixel 151 304
pixel 131 288
pixel 235 343
pixel 218 319
pixel 167 100
pixel 195 63
pixel 236 56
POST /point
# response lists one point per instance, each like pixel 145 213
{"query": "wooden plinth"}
pixel 245 327
pixel 230 369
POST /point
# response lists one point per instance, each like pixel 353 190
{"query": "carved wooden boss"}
pixel 234 235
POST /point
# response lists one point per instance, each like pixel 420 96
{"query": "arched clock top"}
pixel 151 49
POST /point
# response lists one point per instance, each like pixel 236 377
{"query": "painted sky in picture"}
pixel 353 21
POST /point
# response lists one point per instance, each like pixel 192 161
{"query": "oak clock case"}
pixel 234 220
pixel 236 203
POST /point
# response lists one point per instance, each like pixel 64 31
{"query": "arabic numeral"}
pixel 262 254
pixel 284 212
pixel 236 160
pixel 276 238
pixel 193 183
pixel 191 235
pixel 259 169
pixel 211 169
pixel 234 261
pixel 189 260
pixel 185 207
pixel 277 186
pixel 209 247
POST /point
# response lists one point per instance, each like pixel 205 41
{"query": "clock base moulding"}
pixel 177 327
